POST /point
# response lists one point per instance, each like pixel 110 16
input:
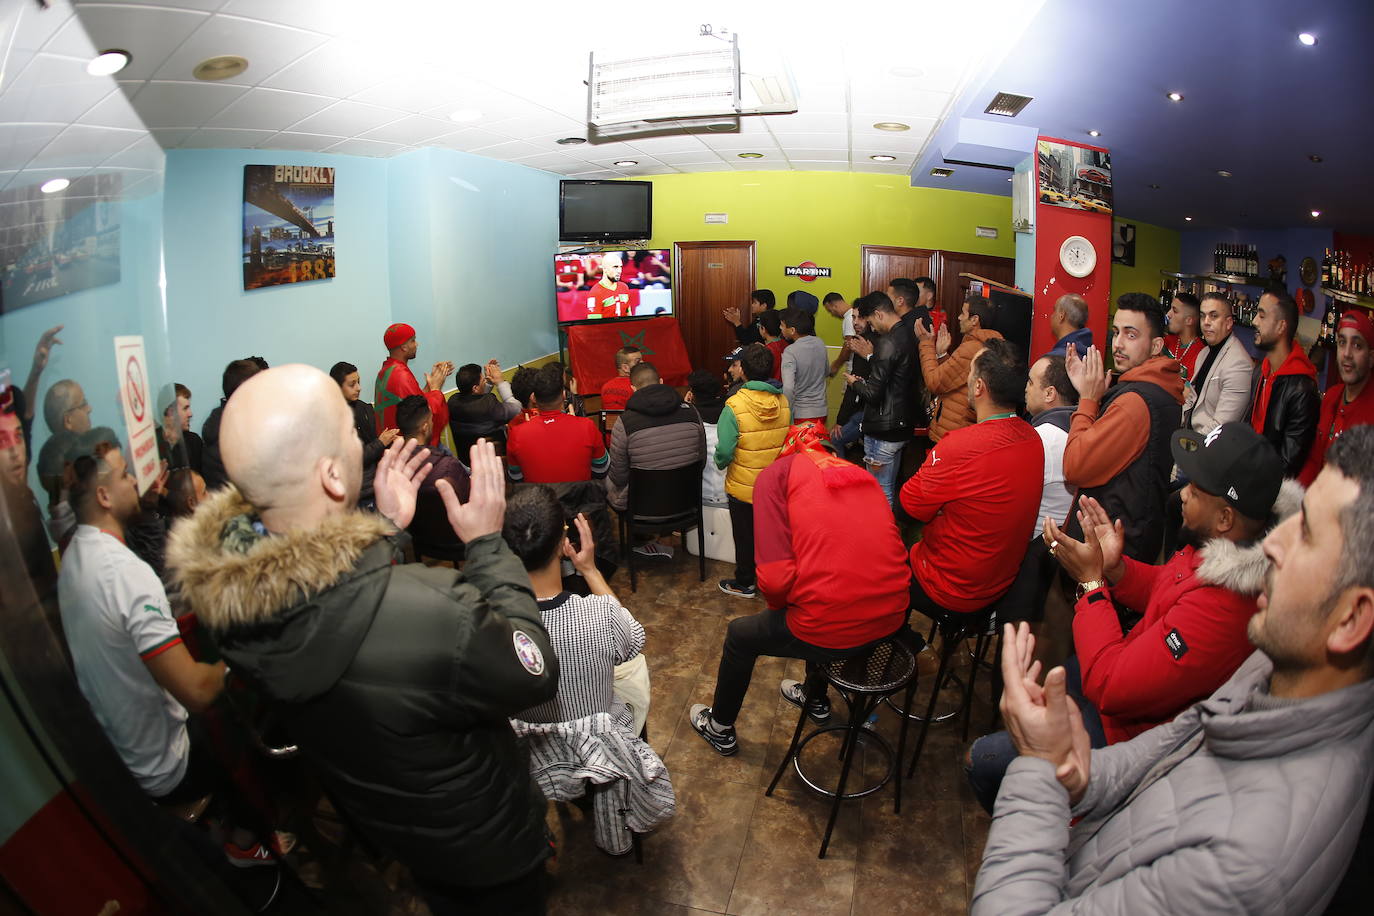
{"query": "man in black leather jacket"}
pixel 1284 404
pixel 889 392
pixel 395 679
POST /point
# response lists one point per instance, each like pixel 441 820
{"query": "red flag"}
pixel 591 349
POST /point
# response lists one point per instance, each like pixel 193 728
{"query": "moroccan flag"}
pixel 591 348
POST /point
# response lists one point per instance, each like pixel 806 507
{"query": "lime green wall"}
pixel 825 218
pixel 1156 249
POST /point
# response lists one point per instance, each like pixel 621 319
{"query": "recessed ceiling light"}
pixel 941 172
pixel 54 185
pixel 1187 219
pixel 882 158
pixel 109 61
pixel 571 141
pixel 1094 133
pixel 1154 187
pixel 1175 96
pixel 1307 38
pixel 220 68
pixel 1008 179
pixel 1314 158
pixel 891 125
pixel 751 155
pixel 1223 173
pixel 625 162
pixel 465 115
pixel 1316 213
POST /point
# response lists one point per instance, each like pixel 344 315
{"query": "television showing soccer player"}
pixel 605 285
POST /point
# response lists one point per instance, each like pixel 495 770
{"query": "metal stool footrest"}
pixel 862 735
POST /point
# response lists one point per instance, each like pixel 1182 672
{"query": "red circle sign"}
pixel 807 278
pixel 134 386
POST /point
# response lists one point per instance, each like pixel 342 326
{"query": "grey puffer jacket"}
pixel 658 431
pixel 1242 804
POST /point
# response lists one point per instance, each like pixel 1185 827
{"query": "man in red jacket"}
pixel 395 381
pixel 1284 404
pixel 1197 606
pixel 828 597
pixel 1350 403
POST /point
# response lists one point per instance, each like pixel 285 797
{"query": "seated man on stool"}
pixel 978 492
pixel 828 597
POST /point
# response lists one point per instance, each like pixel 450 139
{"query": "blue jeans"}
pixel 883 459
pixel 849 433
pixel 992 754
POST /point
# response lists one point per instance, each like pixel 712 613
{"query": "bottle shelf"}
pixel 1350 298
pixel 1234 279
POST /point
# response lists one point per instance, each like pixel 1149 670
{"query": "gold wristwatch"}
pixel 1091 585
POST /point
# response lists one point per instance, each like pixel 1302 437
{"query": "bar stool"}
pixel 863 681
pixel 954 628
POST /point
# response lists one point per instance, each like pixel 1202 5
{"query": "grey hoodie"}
pixel 804 368
pixel 1243 804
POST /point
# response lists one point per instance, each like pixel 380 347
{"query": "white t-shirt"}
pixel 115 615
pixel 847 331
pixel 1055 498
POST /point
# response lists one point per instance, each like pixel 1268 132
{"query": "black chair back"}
pixel 663 500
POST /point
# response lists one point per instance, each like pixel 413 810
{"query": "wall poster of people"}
pixel 288 224
pixel 1075 176
pixel 55 244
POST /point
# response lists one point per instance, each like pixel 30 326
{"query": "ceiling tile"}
pixel 538 126
pixel 910 142
pixel 471 139
pixel 52 89
pixel 802 165
pixel 143 154
pixel 347 119
pixel 888 168
pixel 837 140
pixel 205 5
pixel 597 173
pixel 807 122
pixel 554 162
pixel 701 155
pixel 313 143
pixel 171 139
pixel 224 138
pixel 411 131
pixel 149 34
pixel 513 149
pixel 171 104
pixel 831 155
pixel 903 159
pixel 431 92
pixel 268 109
pixel 36 26
pixel 898 102
pixel 735 142
pixel 268 48
pixel 672 143
pixel 373 148
pixel 754 165
pixel 337 69
pixel 21 142
pixel 83 147
pixel 115 110
pixel 301 14
pixel 705 167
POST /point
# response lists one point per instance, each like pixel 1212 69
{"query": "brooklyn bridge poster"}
pixel 288 224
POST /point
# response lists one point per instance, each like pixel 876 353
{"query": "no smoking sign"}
pixel 135 399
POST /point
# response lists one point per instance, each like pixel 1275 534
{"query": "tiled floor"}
pixel 732 850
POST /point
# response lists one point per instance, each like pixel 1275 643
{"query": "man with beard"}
pixel 1284 403
pixel 1250 801
pixel 608 297
pixel 1192 637
pixel 395 381
pixel 1351 403
pixel 1218 389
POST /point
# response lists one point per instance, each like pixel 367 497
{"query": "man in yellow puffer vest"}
pixel 752 427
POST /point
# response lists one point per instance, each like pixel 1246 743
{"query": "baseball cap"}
pixel 733 355
pixel 1233 462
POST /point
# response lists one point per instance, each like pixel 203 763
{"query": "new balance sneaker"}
pixel 259 854
pixel 733 587
pixel 655 549
pixel 794 693
pixel 720 737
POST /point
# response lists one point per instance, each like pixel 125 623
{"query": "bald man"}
pixel 608 297
pixel 398 680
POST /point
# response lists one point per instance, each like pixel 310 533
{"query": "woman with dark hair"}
pixel 365 423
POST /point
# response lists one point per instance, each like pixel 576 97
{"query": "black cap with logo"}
pixel 1233 462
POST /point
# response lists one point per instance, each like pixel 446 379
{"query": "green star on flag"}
pixel 635 340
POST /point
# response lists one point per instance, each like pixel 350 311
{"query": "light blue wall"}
pixel 213 320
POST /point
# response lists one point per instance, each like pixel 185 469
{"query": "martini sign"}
pixel 135 396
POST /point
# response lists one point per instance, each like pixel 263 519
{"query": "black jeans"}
pixel 742 527
pixel 522 896
pixel 746 638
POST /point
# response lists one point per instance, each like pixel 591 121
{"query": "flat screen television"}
pixel 605 211
pixel 606 285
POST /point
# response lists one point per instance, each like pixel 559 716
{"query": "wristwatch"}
pixel 1091 585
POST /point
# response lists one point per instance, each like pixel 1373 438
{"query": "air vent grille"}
pixel 1008 104
pixel 941 173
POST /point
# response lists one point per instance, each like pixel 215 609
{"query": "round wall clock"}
pixel 1078 256
pixel 1308 271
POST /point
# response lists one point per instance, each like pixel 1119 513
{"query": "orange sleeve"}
pixel 944 378
pixel 1100 447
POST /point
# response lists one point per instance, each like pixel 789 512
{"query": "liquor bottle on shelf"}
pixel 1326 268
pixel 1254 261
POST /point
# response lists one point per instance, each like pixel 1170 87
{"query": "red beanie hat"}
pixel 397 334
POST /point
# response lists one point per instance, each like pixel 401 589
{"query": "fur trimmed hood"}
pixel 1240 568
pixel 227 587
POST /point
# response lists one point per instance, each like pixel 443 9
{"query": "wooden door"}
pixel 952 289
pixel 883 263
pixel 711 277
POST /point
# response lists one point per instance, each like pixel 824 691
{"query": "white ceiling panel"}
pixel 150 34
pixel 465 141
pixel 411 131
pixel 681 143
pixel 597 174
pixel 337 69
pixel 514 149
pixel 537 126
pixel 312 143
pixel 115 110
pixel 900 102
pixel 205 5
pixel 691 158
pixel 145 153
pixel 171 138
pixel 314 15
pixel 424 90
pixel 374 148
pixel 760 165
pixel 817 155
pixel 807 122
pixel 21 142
pixel 554 162
pixel 822 140
pixel 84 146
pixel 51 88
pixel 886 168
pixel 183 104
pixel 347 119
pixel 802 165
pixel 268 109
pixel 738 142
pixel 268 48
pixel 36 26
pixel 224 138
